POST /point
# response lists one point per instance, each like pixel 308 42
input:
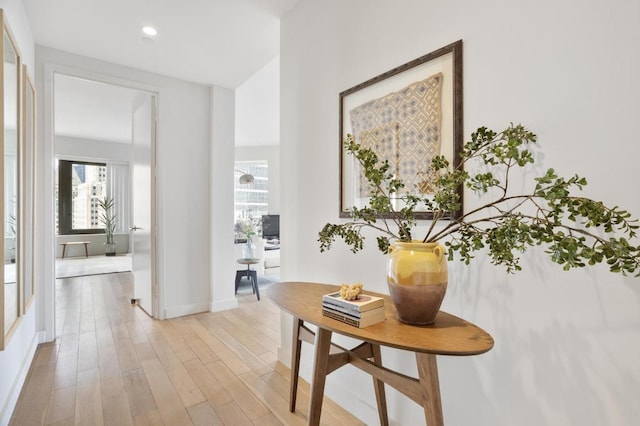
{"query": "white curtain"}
pixel 118 187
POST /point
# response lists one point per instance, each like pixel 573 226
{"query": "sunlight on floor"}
pixel 93 265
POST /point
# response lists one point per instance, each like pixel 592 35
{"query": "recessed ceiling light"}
pixel 150 31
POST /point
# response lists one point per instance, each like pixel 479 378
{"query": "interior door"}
pixel 143 202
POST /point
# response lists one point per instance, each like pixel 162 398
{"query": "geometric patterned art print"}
pixel 402 127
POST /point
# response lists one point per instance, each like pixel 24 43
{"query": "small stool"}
pixel 251 274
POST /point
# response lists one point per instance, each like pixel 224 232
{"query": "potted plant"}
pixel 575 230
pixel 108 218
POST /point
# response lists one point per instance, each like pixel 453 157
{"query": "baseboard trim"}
pixel 223 305
pixel 16 388
pixel 180 311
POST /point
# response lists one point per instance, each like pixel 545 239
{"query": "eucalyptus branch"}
pixel 503 227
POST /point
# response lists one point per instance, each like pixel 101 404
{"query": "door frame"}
pixel 47 290
pixel 155 307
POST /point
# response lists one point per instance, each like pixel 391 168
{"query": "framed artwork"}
pixel 407 115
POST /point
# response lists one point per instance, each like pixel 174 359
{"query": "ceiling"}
pixel 221 42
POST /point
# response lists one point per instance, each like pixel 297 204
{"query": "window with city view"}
pixel 80 186
pixel 251 199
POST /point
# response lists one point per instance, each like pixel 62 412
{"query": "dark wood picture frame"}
pixel 446 60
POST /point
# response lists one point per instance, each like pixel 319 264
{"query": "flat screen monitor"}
pixel 271 226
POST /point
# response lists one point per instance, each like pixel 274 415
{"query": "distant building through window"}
pixel 252 199
pixel 80 186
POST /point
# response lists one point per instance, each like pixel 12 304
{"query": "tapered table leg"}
pixel 296 345
pixel 320 368
pixel 428 376
pixel 378 385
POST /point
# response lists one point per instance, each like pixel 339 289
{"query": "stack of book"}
pixel 363 312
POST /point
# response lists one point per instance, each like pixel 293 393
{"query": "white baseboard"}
pixel 180 311
pixel 16 388
pixel 223 305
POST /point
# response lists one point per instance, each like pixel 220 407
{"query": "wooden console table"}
pixel 449 335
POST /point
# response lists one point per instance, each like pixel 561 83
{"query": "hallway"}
pixel 111 364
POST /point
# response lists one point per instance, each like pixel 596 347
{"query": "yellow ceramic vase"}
pixel 417 279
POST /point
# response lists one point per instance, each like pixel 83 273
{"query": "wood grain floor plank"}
pixel 204 415
pixel 136 332
pixel 47 354
pixel 108 362
pixel 268 420
pixel 89 398
pixel 279 380
pixel 66 370
pixel 145 351
pixel 87 351
pixel 200 348
pixel 31 407
pixel 87 322
pixel 233 361
pixel 61 405
pixel 127 356
pixel 250 405
pixel 115 405
pixel 231 414
pixel 114 365
pixel 152 418
pixel 189 392
pixel 180 347
pixel 165 395
pixel 273 400
pixel 103 333
pixel 213 391
pixel 138 392
pixel 248 358
pixel 181 327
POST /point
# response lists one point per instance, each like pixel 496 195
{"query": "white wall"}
pixel 567 343
pixel 257 107
pixel 222 262
pixel 182 180
pixel 16 358
pixel 91 149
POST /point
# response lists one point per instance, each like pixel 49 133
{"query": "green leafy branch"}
pixel 576 231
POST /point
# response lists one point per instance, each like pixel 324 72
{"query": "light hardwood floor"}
pixel 111 364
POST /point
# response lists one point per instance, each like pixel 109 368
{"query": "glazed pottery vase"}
pixel 417 279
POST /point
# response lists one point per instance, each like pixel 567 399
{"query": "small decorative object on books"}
pixel 362 312
pixel 350 292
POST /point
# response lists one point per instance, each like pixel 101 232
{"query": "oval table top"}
pixel 448 335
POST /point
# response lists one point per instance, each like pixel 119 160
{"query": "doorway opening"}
pixel 103 140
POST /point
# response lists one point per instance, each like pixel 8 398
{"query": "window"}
pixel 80 185
pixel 251 199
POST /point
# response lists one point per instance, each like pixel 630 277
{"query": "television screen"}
pixel 271 226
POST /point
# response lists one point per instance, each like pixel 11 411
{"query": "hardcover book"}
pixel 372 316
pixel 363 303
pixel 351 312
